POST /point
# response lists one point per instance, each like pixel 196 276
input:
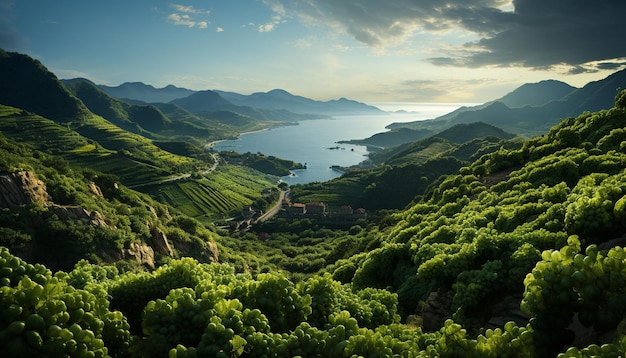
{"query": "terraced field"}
pixel 221 193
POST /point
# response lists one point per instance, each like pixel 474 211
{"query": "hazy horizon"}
pixel 370 51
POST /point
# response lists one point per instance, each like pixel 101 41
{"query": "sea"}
pixel 314 142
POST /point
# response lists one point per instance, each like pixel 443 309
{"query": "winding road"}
pixel 275 209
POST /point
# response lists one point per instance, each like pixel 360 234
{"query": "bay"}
pixel 314 142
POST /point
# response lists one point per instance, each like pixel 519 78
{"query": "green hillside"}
pixel 139 145
pixel 96 144
pixel 27 84
pixel 56 213
pixel 518 254
pixel 405 171
pixel 165 122
pixel 497 247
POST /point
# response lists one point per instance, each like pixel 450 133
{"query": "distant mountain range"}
pixel 173 112
pixel 279 98
pixel 209 100
pixel 533 108
pixel 146 93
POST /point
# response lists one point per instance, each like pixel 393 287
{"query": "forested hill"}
pixel 27 84
pixel 518 253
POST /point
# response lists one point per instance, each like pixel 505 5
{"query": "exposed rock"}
pixel 437 310
pixel 212 251
pixel 159 240
pixel 95 189
pixel 143 253
pixel 493 179
pixel 166 213
pixel 21 188
pixel 78 213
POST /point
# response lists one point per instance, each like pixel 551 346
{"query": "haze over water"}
pixel 310 141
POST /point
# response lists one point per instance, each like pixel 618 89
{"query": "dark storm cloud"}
pixel 535 33
pixel 376 22
pixel 547 33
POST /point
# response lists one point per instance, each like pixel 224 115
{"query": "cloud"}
pixel 301 43
pixel 219 29
pixel 441 90
pixel 278 17
pixel 529 33
pixel 268 27
pixel 188 16
pixel 188 9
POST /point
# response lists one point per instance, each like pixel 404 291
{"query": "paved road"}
pixel 275 209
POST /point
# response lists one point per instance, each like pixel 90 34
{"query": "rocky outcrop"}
pixel 159 240
pixel 436 310
pixel 213 253
pixel 95 189
pixel 142 253
pixel 21 188
pixel 78 213
pixel 166 213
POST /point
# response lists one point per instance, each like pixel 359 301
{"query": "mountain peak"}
pixel 279 91
pixel 146 93
pixel 537 94
pixel 27 84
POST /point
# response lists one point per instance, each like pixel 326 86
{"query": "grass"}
pixel 219 194
pixel 96 144
pixel 100 145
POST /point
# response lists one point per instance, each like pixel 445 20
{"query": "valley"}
pixel 496 230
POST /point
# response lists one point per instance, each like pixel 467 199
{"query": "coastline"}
pixel 211 144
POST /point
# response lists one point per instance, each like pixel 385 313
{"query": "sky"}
pixel 465 51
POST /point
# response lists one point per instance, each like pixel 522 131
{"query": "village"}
pixel 318 210
pixel 344 215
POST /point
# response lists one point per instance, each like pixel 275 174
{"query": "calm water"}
pixel 310 142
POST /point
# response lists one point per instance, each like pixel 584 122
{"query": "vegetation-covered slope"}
pixel 27 84
pixel 518 253
pixel 405 171
pixel 479 233
pixel 149 121
pixel 533 226
pixel 57 214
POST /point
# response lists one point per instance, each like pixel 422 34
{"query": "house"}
pixel 360 213
pixel 296 209
pixel 315 209
pixel 345 210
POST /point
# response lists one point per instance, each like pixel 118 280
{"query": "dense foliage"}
pixel 538 225
pixel 265 164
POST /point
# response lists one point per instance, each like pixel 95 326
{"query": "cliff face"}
pixel 21 188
